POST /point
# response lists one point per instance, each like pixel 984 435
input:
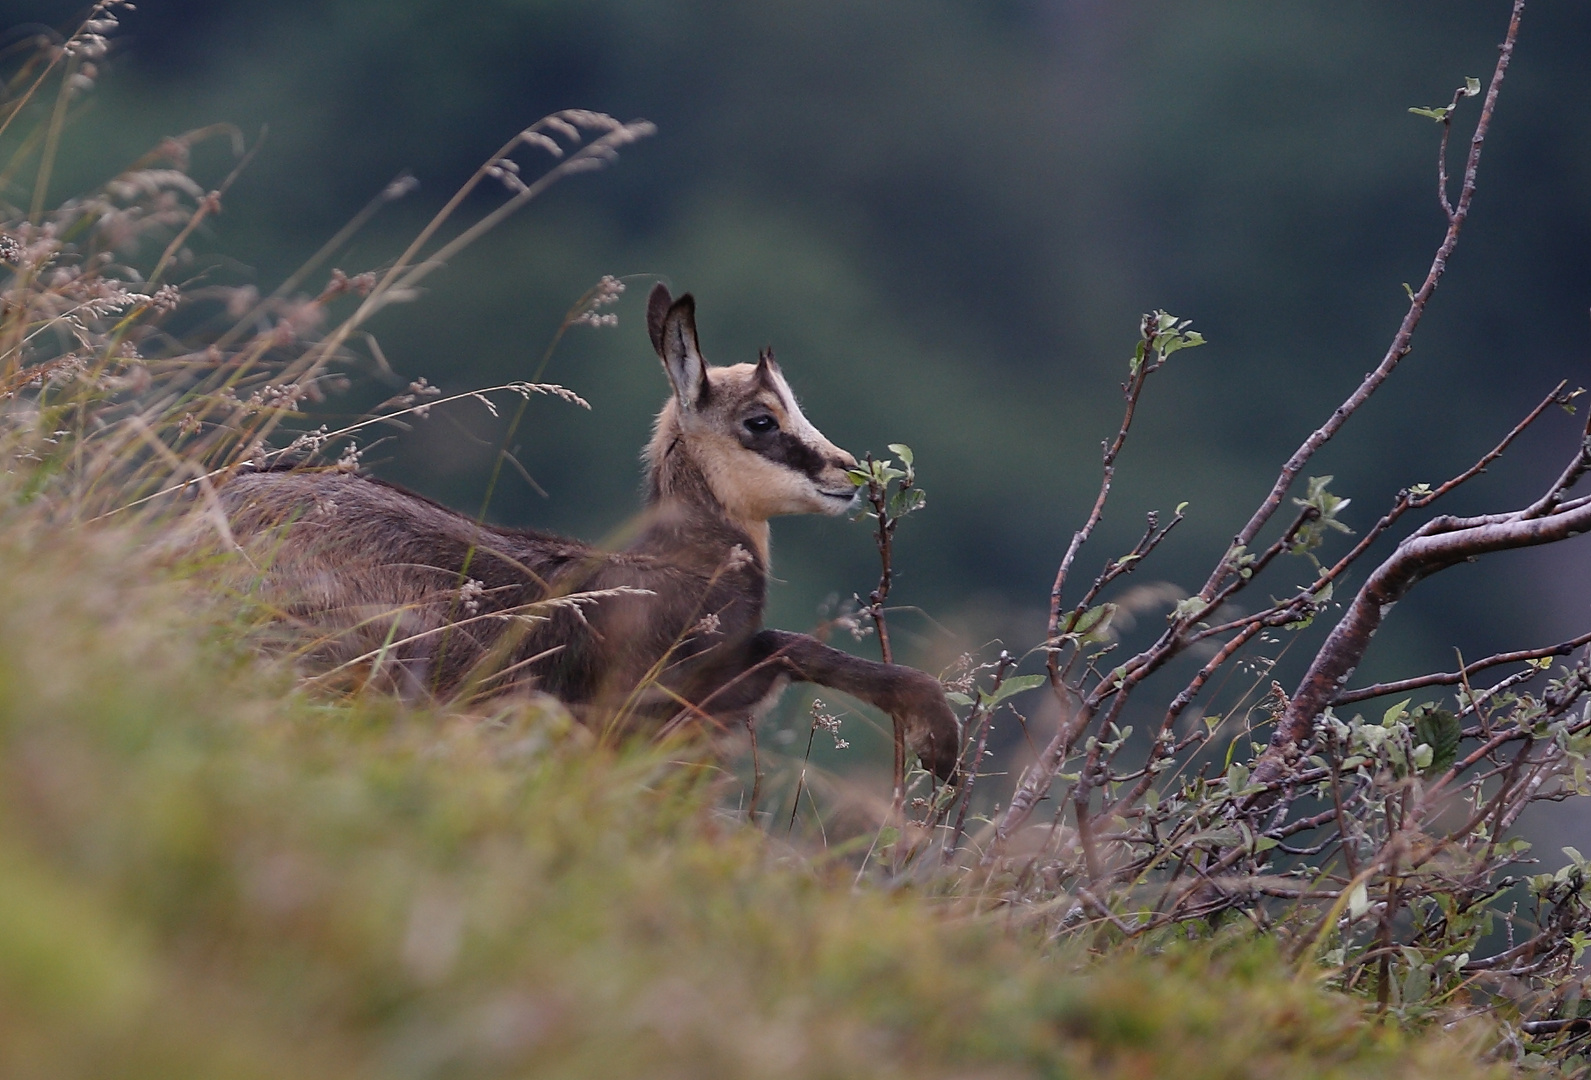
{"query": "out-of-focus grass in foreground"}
pixel 205 872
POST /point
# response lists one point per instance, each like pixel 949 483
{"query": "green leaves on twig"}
pixel 1161 335
pixel 1424 742
pixel 1439 730
pixel 1089 627
pixel 1326 506
pixel 876 476
pixel 1009 687
pixel 1472 87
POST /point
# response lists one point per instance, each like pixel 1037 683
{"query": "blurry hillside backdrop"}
pixel 946 218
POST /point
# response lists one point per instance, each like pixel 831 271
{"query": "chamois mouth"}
pixel 841 497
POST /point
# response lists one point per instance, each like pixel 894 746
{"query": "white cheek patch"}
pixel 750 486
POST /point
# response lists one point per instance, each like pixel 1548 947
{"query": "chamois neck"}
pixel 684 512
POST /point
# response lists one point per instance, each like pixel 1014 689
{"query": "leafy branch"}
pixel 887 507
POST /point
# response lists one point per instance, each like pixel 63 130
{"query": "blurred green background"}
pixel 946 218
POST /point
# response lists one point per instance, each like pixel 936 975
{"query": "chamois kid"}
pixel 668 630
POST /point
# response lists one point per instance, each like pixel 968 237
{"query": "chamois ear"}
pixel 682 358
pixel 657 306
pixel 767 368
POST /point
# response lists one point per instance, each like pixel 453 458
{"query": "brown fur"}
pixel 396 586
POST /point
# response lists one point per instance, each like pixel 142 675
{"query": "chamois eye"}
pixel 761 425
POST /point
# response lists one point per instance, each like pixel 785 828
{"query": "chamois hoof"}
pixel 935 735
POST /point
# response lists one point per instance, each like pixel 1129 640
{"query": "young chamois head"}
pixel 735 434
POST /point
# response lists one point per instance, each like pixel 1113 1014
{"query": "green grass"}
pixel 204 871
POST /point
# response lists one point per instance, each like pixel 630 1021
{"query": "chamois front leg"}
pixel 916 699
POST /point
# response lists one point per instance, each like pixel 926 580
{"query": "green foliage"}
pixel 1007 687
pixel 1439 734
pixel 876 476
pixel 1471 87
pixel 1321 509
pixel 1089 627
pixel 1384 848
pixel 1160 336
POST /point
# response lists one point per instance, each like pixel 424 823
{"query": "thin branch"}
pixel 1553 499
pixel 1181 702
pixel 1039 775
pixel 1292 609
pixel 1007 661
pixel 1453 678
pixel 1133 389
pixel 1402 341
pixel 1408 500
pixel 1150 540
pixel 1417 558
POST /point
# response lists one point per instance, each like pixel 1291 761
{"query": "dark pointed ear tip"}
pixel 657 307
pixel 686 305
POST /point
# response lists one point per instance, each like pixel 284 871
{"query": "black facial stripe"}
pixel 786 449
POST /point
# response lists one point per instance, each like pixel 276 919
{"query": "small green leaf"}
pixel 1472 86
pixel 956 698
pixel 1416 984
pixel 1236 777
pixel 1438 114
pixel 1096 620
pixel 902 450
pixel 1358 900
pixel 1442 732
pixel 1396 713
pixel 1181 506
pixel 906 501
pixel 1184 341
pixel 1014 685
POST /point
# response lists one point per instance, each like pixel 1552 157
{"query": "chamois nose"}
pixel 843 459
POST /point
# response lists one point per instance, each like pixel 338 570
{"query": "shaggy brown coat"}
pixel 670 628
